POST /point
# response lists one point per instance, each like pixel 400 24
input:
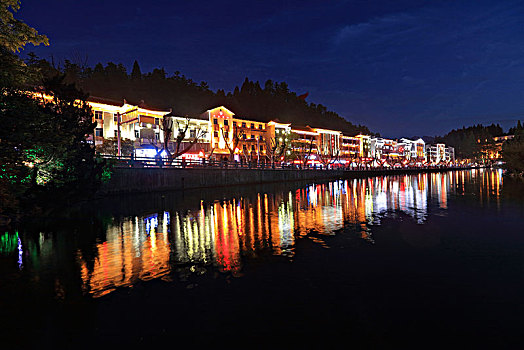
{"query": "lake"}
pixel 427 260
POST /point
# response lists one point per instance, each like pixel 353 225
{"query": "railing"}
pixel 148 162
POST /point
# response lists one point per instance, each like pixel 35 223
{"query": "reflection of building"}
pixel 223 233
pixel 137 249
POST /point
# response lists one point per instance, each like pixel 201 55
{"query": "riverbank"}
pixel 138 180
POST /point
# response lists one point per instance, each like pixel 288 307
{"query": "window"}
pixel 244 147
pixel 215 121
pixel 252 125
pixel 192 133
pixel 244 137
pixel 261 138
pixel 157 136
pixel 116 133
pixel 259 126
pixel 137 134
pixel 261 148
pixel 253 148
pixel 243 124
pixel 115 118
pixel 215 134
pixel 99 132
pixel 226 135
pixel 98 115
pixel 252 137
pixel 157 121
pixel 226 122
pixel 235 124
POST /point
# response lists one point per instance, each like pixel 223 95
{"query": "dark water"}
pixel 383 262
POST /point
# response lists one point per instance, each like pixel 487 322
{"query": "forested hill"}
pixel 188 98
pixel 468 141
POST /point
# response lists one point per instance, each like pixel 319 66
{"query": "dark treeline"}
pixel 469 141
pixel 188 98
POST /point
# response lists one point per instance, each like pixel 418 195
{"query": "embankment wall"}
pixel 133 180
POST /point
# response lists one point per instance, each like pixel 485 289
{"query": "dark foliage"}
pixel 44 156
pixel 513 151
pixel 468 142
pixel 189 98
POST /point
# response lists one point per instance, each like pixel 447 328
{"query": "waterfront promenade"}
pixel 128 177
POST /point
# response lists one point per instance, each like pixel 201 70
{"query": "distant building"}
pixel 493 150
pixel 440 154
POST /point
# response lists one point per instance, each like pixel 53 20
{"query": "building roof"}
pixel 106 101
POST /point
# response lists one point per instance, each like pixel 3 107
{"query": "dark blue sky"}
pixel 403 68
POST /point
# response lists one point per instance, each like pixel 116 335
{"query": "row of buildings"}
pixel 218 134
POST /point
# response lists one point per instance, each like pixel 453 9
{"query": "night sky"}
pixel 403 68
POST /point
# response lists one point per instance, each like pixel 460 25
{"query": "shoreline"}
pixel 143 180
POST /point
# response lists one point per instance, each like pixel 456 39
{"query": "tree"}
pixel 109 146
pixel 277 147
pixel 513 152
pixel 167 126
pixel 136 74
pixel 231 143
pixel 43 150
pixel 15 34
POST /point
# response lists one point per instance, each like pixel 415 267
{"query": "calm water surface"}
pixel 384 260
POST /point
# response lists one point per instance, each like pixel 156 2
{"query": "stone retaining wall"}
pixel 132 180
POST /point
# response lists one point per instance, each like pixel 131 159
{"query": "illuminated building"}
pixel 239 139
pixel 137 122
pixel 414 150
pixel 440 154
pixel 304 144
pixel 194 128
pixel 349 148
pixel 492 150
pixel 364 147
pixel 328 144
